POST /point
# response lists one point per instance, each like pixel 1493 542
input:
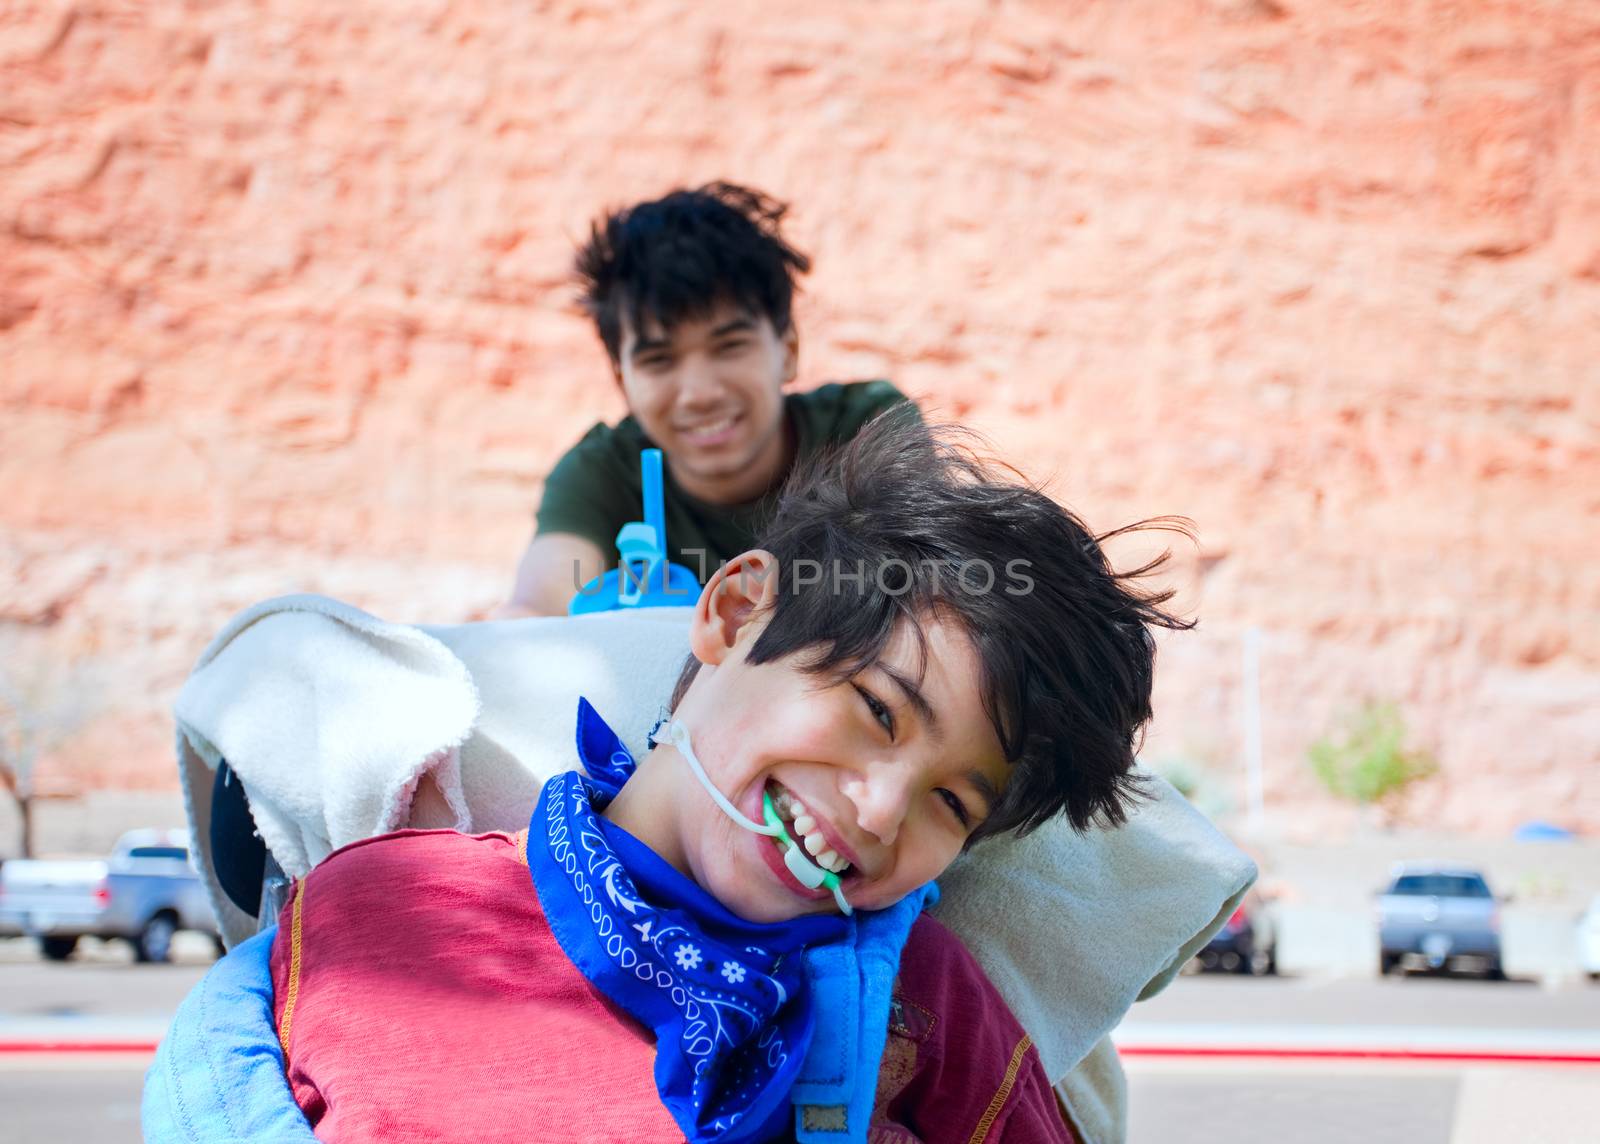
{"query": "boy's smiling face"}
pixel 890 770
pixel 709 392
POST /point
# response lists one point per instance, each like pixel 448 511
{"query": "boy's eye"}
pixel 732 347
pixel 880 710
pixel 653 362
pixel 956 805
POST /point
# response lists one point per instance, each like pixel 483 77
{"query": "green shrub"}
pixel 1366 760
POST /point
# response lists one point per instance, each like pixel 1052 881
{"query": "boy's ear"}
pixel 743 590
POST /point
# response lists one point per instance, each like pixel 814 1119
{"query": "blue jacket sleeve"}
pixel 218 1076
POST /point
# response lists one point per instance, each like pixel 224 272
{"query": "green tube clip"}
pixel 804 870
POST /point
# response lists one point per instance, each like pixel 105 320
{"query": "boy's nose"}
pixel 880 797
pixel 697 383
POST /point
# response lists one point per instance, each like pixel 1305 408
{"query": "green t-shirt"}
pixel 596 488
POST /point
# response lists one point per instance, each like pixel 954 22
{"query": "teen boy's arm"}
pixel 586 500
pixel 549 574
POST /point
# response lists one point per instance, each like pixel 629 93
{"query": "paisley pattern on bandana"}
pixel 726 997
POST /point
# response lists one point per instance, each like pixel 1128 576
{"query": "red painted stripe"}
pixel 1242 1052
pixel 1251 1052
pixel 77 1046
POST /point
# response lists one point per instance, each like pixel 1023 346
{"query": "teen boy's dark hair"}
pixel 1064 642
pixel 677 257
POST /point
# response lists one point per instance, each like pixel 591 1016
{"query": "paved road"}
pixel 1212 1101
pixel 1207 1104
pixel 1444 1002
pixel 94 1098
pixel 87 1100
pixel 104 980
pixel 1387 1104
pixel 73 1100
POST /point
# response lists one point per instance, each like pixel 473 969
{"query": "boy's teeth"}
pixel 803 829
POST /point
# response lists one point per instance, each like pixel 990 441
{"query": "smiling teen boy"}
pixel 692 297
pixel 651 980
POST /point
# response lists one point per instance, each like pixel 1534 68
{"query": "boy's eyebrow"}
pixel 913 695
pixel 737 325
pixel 644 345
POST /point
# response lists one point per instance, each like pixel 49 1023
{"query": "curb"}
pixel 147 1048
pixel 1360 1043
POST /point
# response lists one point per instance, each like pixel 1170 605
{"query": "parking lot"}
pixel 1186 1090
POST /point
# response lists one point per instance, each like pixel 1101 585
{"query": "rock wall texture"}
pixel 283 305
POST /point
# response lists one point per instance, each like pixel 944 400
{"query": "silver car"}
pixel 1440 917
pixel 144 892
pixel 1589 940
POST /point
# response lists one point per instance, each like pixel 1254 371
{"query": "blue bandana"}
pixel 726 998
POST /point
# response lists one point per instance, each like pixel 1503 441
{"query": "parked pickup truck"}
pixel 1438 917
pixel 144 893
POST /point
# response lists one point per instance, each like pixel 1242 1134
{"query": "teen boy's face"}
pixel 709 392
pixel 894 768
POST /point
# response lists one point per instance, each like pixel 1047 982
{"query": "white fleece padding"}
pixel 330 717
pixel 530 674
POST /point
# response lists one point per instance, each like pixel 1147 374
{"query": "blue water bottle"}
pixel 644 577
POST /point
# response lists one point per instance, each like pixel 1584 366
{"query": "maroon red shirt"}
pixel 419 995
pixel 957 1065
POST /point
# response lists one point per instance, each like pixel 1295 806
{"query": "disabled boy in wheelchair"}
pixel 922 654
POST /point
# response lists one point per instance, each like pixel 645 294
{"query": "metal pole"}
pixel 1251 688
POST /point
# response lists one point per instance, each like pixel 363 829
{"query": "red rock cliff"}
pixel 283 306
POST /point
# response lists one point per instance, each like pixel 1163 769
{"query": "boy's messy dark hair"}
pixel 1064 643
pixel 679 256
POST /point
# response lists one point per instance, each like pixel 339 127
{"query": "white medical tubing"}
pixel 679 734
pixel 806 872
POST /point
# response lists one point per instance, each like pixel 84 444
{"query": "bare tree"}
pixel 39 711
